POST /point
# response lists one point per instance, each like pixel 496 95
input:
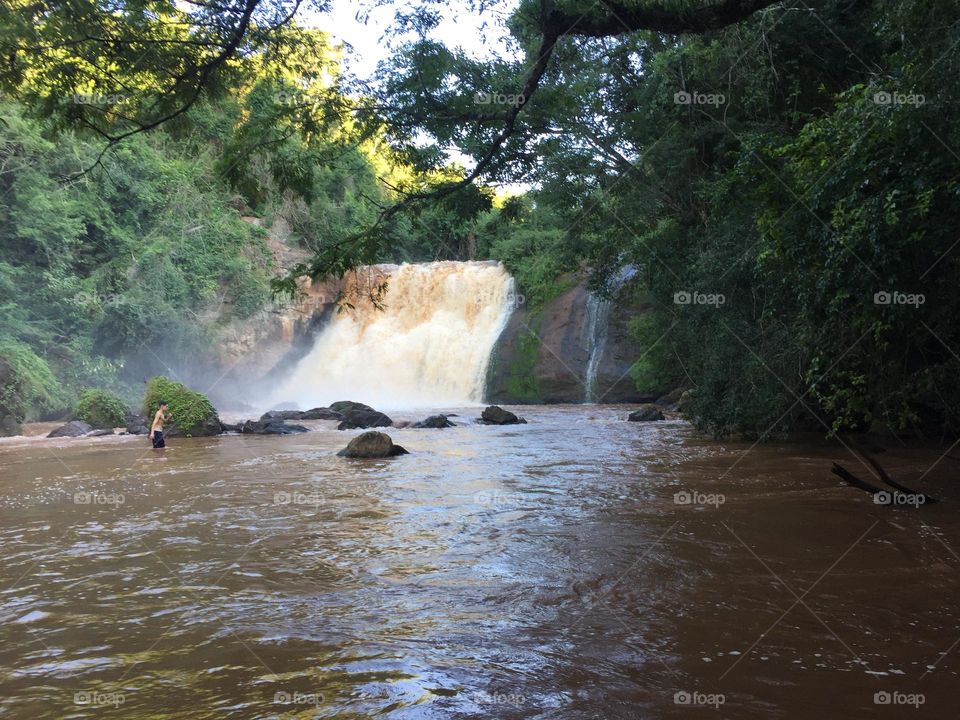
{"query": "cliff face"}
pixel 545 356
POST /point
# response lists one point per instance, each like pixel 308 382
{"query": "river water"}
pixel 536 571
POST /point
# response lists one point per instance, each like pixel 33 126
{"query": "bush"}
pixel 39 389
pixel 193 414
pixel 100 409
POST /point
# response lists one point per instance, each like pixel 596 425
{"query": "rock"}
pixel 372 445
pixel 342 406
pixel 268 427
pixel 101 432
pixel 353 419
pixel 135 424
pixel 281 415
pixel 321 413
pixel 74 428
pixel 686 398
pixel 671 400
pixel 192 413
pixel 400 424
pixel 496 415
pixel 543 353
pixel 434 421
pixel 645 413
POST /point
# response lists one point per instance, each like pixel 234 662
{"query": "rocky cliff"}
pixel 544 355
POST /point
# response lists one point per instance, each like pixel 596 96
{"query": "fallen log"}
pixel 852 479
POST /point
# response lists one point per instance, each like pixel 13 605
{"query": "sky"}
pixel 480 37
pixel 460 28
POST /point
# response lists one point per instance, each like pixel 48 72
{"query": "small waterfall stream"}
pixel 597 325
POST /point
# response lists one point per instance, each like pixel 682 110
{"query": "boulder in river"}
pixel 342 406
pixel 372 445
pixel 281 415
pixel 192 413
pixel 496 415
pixel 645 413
pixel 74 428
pixel 136 424
pixel 321 413
pixel 434 421
pixel 265 427
pixel 100 432
pixel 353 419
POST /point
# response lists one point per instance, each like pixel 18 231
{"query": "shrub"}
pixel 100 409
pixel 39 389
pixel 193 414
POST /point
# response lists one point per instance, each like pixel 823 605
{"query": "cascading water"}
pixel 429 346
pixel 598 315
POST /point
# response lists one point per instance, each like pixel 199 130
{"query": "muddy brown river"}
pixel 576 567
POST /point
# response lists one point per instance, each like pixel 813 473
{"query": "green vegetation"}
pixel 193 414
pixel 100 409
pixel 797 165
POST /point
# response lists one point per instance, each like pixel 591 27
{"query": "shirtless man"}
pixel 156 429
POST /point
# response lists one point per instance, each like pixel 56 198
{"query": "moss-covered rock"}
pixel 100 409
pixel 192 413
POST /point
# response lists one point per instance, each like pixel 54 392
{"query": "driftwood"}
pixel 852 479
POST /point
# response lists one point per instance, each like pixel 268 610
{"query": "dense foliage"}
pixel 786 187
pixel 783 177
pixel 191 412
pixel 100 409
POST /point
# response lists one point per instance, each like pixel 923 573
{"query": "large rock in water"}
pixel 321 413
pixel 265 427
pixel 193 414
pixel 74 428
pixel 353 419
pixel 281 415
pixel 372 445
pixel 645 413
pixel 496 415
pixel 342 406
pixel 434 421
pixel 136 424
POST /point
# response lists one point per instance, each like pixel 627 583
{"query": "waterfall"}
pixel 427 346
pixel 598 316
